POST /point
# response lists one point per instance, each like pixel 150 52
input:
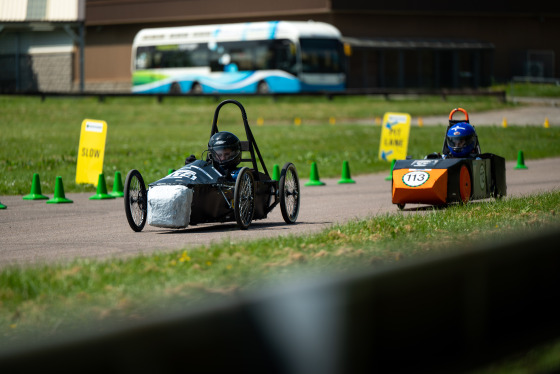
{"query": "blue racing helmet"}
pixel 461 139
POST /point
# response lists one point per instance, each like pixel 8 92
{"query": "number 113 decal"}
pixel 415 178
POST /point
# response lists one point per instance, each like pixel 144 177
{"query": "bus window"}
pixel 157 60
pixel 248 55
pixel 284 55
pixel 171 56
pixel 321 56
pixel 239 55
pixel 198 56
pixel 143 58
pixel 215 58
pixel 263 57
pixel 192 55
pixel 142 61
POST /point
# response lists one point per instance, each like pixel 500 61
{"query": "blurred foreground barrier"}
pixel 441 315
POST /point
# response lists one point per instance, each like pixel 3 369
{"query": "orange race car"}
pixel 459 174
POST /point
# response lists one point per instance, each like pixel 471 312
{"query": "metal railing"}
pixel 387 93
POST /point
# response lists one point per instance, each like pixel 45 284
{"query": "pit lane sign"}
pixel 394 136
pixel 91 151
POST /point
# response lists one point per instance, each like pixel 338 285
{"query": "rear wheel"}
pixel 400 206
pixel 465 187
pixel 135 200
pixel 244 198
pixel 262 88
pixel 289 193
pixel 196 88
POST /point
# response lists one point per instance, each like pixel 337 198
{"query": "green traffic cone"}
pixel 390 176
pixel 101 189
pixel 346 174
pixel 276 172
pixel 520 161
pixel 35 190
pixel 118 189
pixel 314 176
pixel 59 193
pixel 2 206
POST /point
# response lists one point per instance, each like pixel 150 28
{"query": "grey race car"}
pixel 199 193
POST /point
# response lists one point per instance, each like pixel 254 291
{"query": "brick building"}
pixel 40 44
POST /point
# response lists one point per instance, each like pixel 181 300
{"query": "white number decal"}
pixel 415 178
pixel 184 174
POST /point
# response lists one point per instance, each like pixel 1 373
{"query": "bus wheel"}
pixel 196 88
pixel 175 88
pixel 262 88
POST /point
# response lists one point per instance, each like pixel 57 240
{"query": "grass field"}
pixel 42 136
pixel 43 302
pixel 527 89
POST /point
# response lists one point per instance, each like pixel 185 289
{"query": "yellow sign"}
pixel 394 136
pixel 91 151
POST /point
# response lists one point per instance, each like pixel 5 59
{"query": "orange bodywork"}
pixel 420 186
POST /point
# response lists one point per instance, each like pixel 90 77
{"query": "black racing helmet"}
pixel 224 148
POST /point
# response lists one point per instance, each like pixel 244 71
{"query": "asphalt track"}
pixel 36 232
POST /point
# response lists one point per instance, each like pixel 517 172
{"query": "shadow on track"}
pixel 230 227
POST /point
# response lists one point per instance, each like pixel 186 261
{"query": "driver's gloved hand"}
pixel 190 159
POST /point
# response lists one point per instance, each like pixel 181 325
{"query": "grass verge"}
pixel 528 89
pixel 42 137
pixel 41 302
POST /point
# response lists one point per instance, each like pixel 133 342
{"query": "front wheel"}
pixel 289 193
pixel 244 198
pixel 135 200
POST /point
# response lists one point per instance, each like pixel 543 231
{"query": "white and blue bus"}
pixel 254 57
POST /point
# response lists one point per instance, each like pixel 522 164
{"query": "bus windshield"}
pixel 321 56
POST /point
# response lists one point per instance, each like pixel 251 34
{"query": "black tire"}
pixel 289 193
pixel 244 198
pixel 196 88
pixel 175 88
pixel 262 88
pixel 400 206
pixel 135 200
pixel 495 194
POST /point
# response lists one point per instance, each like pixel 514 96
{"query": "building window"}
pixel 36 9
